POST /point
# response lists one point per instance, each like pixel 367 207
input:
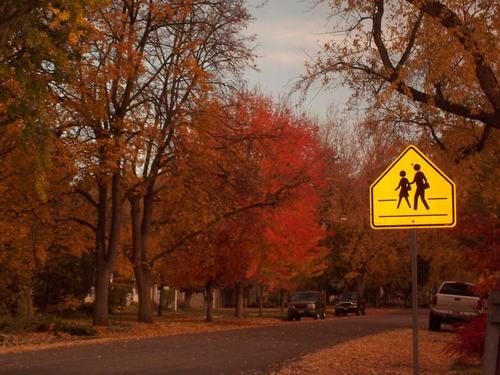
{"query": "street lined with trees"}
pixel 133 155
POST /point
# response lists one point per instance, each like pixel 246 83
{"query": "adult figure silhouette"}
pixel 421 181
pixel 404 185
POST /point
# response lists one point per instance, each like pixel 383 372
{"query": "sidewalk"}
pixel 388 353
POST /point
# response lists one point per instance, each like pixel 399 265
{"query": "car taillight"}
pixel 434 300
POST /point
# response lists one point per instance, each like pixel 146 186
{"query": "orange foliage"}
pixel 267 166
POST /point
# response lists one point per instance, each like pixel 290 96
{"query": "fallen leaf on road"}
pixel 388 353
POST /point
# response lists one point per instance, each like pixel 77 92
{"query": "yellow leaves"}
pixel 441 66
pixel 58 16
pixel 75 36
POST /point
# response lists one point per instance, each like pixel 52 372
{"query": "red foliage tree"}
pixel 269 167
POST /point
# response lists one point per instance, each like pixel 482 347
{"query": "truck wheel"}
pixel 289 318
pixel 434 322
pixel 316 316
pixel 323 315
pixel 357 312
pixel 297 318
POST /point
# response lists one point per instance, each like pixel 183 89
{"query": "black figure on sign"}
pixel 404 185
pixel 422 184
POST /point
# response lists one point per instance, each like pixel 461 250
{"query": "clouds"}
pixel 288 32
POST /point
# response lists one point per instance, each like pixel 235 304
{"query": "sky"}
pixel 288 33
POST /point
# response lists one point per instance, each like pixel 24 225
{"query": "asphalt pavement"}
pixel 246 351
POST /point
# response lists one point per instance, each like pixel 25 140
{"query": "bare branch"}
pixel 87 197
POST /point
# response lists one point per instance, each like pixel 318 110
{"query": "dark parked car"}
pixel 350 302
pixel 306 304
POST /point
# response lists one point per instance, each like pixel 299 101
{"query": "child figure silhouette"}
pixel 404 185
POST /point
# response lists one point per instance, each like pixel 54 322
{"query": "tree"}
pixel 35 49
pixel 140 70
pixel 477 232
pixel 424 62
pixel 370 260
pixel 255 185
pixel 34 219
pixel 37 42
pixel 96 111
pixel 195 55
pixel 289 243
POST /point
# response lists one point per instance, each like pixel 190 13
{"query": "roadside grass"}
pixel 388 353
pixel 51 331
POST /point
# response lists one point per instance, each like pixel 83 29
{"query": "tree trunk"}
pixel 360 285
pixel 261 297
pixel 142 269
pixel 21 306
pixel 144 289
pixel 101 302
pixel 210 301
pixel 246 296
pixel 102 273
pixel 238 312
pixel 379 296
pixel 106 255
pixel 188 293
pixel 163 300
pixel 46 293
pixel 282 301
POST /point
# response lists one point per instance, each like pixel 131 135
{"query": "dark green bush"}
pixel 38 323
pixel 86 308
pixel 184 306
pixel 118 296
pixel 74 329
pixel 46 323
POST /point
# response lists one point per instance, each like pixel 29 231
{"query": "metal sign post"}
pixel 433 206
pixel 414 297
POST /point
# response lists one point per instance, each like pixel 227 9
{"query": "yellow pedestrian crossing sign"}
pixel 412 193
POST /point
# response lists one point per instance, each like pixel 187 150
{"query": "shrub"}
pixel 118 296
pixel 87 308
pixel 74 329
pixel 46 323
pixel 38 323
pixel 469 339
pixel 55 325
pixel 184 306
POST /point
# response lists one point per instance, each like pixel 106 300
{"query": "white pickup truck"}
pixel 454 301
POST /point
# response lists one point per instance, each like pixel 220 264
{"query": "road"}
pixel 248 351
